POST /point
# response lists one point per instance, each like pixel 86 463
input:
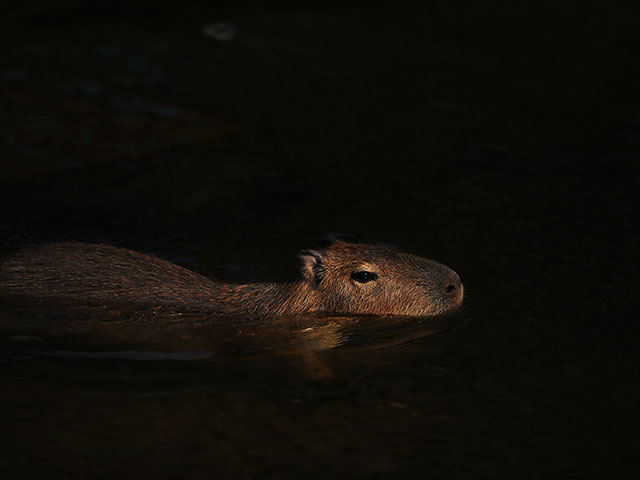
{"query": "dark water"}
pixel 329 396
pixel 500 139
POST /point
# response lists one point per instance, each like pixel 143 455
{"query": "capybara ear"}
pixel 327 240
pixel 311 266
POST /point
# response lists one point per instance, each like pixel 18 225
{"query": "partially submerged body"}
pixel 340 278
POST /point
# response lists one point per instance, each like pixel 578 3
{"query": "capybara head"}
pixel 368 279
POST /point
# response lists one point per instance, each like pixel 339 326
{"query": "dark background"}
pixel 501 138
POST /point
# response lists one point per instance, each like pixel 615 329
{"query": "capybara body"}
pixel 338 278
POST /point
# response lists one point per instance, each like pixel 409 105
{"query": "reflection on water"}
pixel 115 394
pixel 166 335
pixel 120 355
pixel 457 131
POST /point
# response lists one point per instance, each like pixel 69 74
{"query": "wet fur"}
pixel 105 275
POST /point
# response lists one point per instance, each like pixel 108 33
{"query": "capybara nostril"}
pixel 453 288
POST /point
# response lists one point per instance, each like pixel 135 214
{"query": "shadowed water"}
pixel 372 394
pixel 157 334
pixel 500 138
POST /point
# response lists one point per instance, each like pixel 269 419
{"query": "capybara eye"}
pixel 364 277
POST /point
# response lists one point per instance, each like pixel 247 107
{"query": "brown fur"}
pixel 104 275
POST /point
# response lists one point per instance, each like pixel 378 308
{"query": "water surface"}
pixel 500 138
